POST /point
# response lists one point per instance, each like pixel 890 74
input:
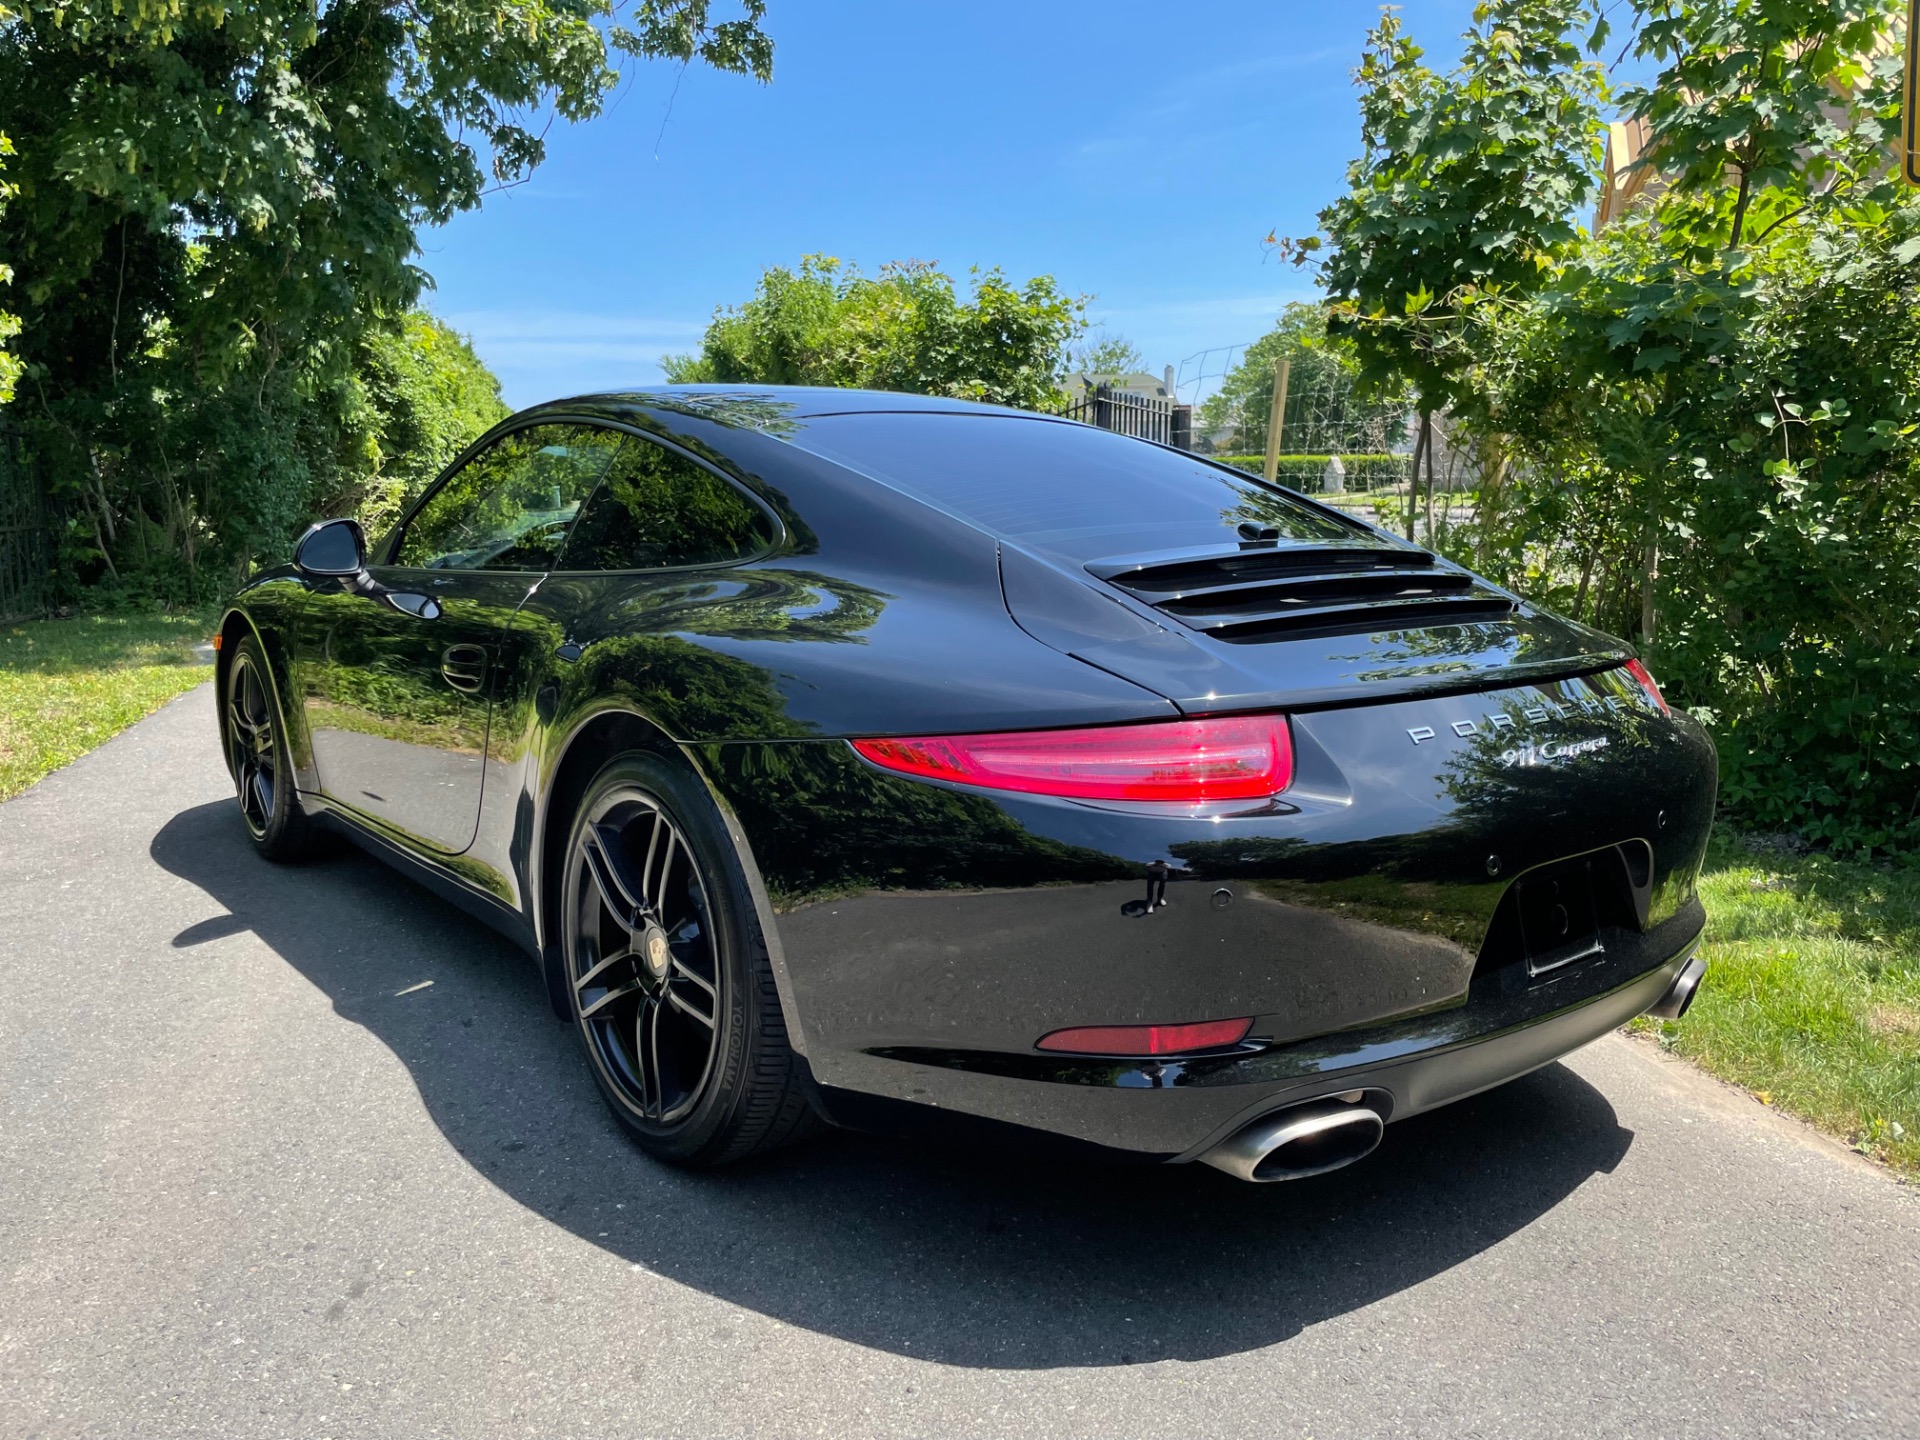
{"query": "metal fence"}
pixel 1324 414
pixel 1315 475
pixel 1142 416
pixel 26 561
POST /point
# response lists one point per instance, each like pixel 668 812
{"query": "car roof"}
pixel 766 407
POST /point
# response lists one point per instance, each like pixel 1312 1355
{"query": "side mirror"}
pixel 333 549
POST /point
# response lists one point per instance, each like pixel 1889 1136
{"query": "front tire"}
pixel 260 761
pixel 671 984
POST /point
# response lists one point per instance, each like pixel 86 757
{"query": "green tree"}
pixel 1327 411
pixel 1763 120
pixel 426 396
pixel 217 200
pixel 1465 186
pixel 1717 404
pixel 1108 357
pixel 904 329
pixel 1761 113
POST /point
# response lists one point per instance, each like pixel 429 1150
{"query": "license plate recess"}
pixel 1559 921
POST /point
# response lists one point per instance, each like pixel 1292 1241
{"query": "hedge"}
pixel 1306 472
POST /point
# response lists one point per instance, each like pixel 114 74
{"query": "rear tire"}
pixel 260 761
pixel 668 972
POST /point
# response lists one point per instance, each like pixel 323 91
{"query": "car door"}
pixel 399 677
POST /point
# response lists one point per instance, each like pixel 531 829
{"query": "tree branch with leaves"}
pixel 219 199
pixel 1466 187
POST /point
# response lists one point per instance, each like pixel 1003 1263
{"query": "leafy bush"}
pixel 426 395
pixel 1701 426
pixel 1774 476
pixel 172 496
pixel 905 329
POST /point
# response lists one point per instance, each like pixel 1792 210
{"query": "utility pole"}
pixel 1909 119
pixel 1278 419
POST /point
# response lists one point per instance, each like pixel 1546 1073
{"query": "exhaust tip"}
pixel 1292 1144
pixel 1679 996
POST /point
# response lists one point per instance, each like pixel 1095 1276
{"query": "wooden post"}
pixel 1910 112
pixel 1649 578
pixel 1423 441
pixel 1276 421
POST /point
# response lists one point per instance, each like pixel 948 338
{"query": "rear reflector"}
pixel 1147 1039
pixel 1225 757
pixel 1645 681
pixel 215 639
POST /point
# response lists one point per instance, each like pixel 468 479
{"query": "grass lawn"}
pixel 1813 999
pixel 68 685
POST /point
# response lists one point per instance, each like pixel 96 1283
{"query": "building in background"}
pixel 1079 384
pixel 1626 182
pixel 1623 181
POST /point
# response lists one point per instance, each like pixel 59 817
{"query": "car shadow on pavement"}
pixel 963 1257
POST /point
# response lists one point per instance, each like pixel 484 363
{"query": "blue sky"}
pixel 1138 153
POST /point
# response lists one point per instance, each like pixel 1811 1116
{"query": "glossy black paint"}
pixel 926 935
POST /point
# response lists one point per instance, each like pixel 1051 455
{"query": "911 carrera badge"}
pixel 1546 754
pixel 1534 752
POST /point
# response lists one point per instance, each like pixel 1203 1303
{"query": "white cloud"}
pixel 544 354
pixel 558 327
pixel 1175 314
pixel 1200 93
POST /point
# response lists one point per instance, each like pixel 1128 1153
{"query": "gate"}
pixel 1142 416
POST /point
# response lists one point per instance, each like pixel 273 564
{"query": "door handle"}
pixel 464 667
pixel 421 607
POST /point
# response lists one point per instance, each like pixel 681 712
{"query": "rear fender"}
pixel 588 745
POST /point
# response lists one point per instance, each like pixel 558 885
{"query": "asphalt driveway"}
pixel 302 1153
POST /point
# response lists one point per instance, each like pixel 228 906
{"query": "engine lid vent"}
pixel 1252 595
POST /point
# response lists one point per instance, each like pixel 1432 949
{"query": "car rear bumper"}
pixel 1177 1111
pixel 1436 904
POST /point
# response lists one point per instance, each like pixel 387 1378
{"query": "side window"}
pixel 511 506
pixel 658 509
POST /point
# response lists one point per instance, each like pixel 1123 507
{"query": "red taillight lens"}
pixel 1645 681
pixel 1147 1039
pixel 1226 757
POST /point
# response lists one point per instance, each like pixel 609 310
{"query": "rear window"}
pixel 1084 492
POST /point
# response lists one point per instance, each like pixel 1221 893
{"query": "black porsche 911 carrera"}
pixel 896 761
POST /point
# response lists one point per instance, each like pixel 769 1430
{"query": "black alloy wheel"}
pixel 670 978
pixel 647 981
pixel 257 756
pixel 251 742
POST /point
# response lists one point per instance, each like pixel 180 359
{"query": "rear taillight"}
pixel 1226 757
pixel 1644 680
pixel 1147 1039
